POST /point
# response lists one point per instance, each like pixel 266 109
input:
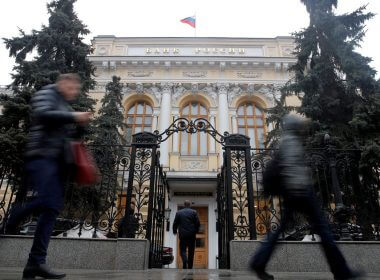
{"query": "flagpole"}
pixel 195 29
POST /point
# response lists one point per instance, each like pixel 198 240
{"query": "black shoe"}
pixel 353 275
pixel 42 270
pixel 262 274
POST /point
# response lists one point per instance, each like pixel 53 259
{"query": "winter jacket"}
pixel 52 124
pixel 295 174
pixel 187 223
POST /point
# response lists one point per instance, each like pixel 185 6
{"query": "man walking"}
pixel 187 223
pixel 296 189
pixel 47 150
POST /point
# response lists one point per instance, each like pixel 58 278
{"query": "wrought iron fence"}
pixel 351 205
pixel 350 199
pixel 98 209
pixel 133 188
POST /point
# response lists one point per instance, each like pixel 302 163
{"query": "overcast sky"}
pixel 161 18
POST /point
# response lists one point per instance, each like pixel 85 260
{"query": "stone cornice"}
pixel 160 61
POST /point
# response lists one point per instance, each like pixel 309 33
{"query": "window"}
pixel 251 122
pixel 194 144
pixel 139 118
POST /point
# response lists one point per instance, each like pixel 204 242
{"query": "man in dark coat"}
pixel 297 191
pixel 46 155
pixel 187 224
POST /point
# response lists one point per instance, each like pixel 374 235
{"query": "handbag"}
pixel 86 170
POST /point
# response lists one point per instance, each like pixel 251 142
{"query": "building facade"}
pixel 228 81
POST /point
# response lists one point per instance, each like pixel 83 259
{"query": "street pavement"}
pixel 173 274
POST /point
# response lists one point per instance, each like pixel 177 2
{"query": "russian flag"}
pixel 189 20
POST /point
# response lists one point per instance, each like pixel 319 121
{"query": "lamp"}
pixel 167 218
pixel 217 220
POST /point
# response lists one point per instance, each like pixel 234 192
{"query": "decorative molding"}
pixel 167 88
pixel 194 88
pixel 210 90
pixel 251 88
pixel 194 165
pixel 140 73
pixel 222 88
pixel 234 92
pixel 103 50
pixel 287 51
pixel 178 91
pixel 139 88
pixel 249 74
pixel 126 90
pixel 194 74
pixel 155 91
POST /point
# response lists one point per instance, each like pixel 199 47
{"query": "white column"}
pixel 223 108
pixel 234 125
pixel 175 137
pixel 165 121
pixel 212 140
pixel 154 122
pixel 222 115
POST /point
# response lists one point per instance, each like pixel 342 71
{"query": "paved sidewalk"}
pixel 172 274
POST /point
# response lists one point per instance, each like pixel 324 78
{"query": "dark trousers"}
pixel 309 206
pixel 44 178
pixel 187 244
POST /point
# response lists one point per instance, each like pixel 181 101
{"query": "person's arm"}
pixel 176 223
pixel 197 222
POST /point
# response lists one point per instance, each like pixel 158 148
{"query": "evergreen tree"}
pixel 340 95
pixel 331 78
pixel 107 148
pixel 274 119
pixel 110 121
pixel 59 49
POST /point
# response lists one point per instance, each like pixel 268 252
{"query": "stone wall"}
pixel 296 256
pixel 79 253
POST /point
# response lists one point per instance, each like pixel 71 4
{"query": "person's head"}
pixel 295 124
pixel 68 85
pixel 187 203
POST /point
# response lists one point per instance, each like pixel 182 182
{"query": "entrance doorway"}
pixel 201 247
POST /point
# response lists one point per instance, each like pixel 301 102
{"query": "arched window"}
pixel 251 122
pixel 139 118
pixel 194 144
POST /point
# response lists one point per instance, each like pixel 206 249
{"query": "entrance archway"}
pixel 147 185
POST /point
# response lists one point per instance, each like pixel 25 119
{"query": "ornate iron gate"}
pixel 236 219
pixel 147 186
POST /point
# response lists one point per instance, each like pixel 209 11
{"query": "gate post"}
pixel 144 146
pixel 251 206
pixel 240 144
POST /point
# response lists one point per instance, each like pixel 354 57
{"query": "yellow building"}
pixel 228 81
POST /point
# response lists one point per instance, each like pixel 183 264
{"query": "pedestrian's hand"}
pixel 83 117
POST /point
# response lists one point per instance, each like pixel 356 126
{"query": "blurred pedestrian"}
pixel 297 192
pixel 187 223
pixel 47 154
